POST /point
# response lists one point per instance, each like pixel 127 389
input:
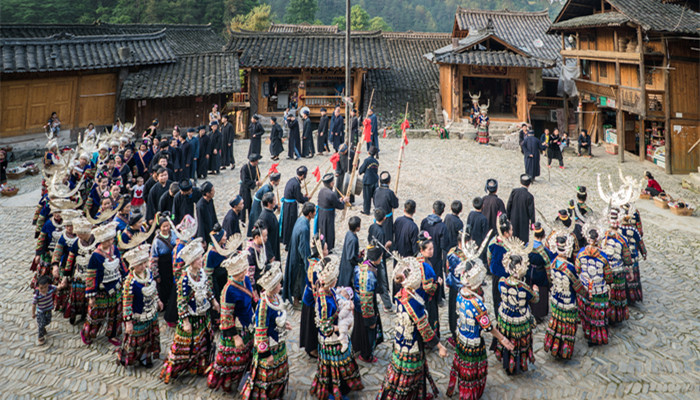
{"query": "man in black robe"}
pixel 343 167
pixel 531 147
pixel 454 224
pixel 269 219
pixel 203 160
pixel 168 198
pixel 492 205
pixel 307 136
pixel 185 200
pixel 161 186
pixel 299 252
pixel 206 213
pixel 521 209
pixel 294 146
pixel 376 237
pixel 351 255
pixel 250 179
pixel 231 219
pixel 292 197
pixel 322 139
pixel 478 225
pixel 186 156
pixel 406 231
pixel 276 134
pixel 176 157
pixel 438 232
pixel 370 171
pixel 354 128
pixel 215 148
pixel 337 129
pixel 229 135
pixel 256 207
pixel 256 131
pixel 385 199
pixel 328 201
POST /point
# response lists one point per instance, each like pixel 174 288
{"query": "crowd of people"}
pixel 126 235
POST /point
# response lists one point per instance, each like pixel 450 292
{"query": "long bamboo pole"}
pixel 318 184
pixel 403 145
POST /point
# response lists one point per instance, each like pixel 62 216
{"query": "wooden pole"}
pixel 401 150
pixel 667 110
pixel 318 184
pixel 348 92
pixel 643 87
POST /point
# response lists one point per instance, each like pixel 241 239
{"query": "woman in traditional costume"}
pixel 233 354
pixel 538 273
pixel 76 268
pixel 630 231
pixel 184 232
pixel 514 318
pixel 407 376
pixel 161 262
pixel 593 269
pixel 103 287
pixel 616 248
pixel 140 305
pixel 337 373
pixel 561 331
pixel 430 280
pixel 308 333
pixel 470 365
pixel 193 344
pixel 368 331
pixel 483 123
pixel 213 266
pixel 59 260
pixel 269 373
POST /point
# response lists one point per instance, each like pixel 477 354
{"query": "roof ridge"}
pixel 505 11
pixel 69 37
pixel 94 24
pixel 377 33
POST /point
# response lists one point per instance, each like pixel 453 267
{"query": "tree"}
pixel 299 11
pixel 339 21
pixel 359 18
pixel 258 19
pixel 378 24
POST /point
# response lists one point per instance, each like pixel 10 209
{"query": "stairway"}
pixel 499 132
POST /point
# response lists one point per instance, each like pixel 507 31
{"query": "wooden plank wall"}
pixel 183 111
pixel 684 89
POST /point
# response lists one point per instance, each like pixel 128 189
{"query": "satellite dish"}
pixel 538 43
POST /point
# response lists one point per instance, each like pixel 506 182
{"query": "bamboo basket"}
pixel 661 203
pixel 645 196
pixel 16 173
pixel 9 192
pixel 684 212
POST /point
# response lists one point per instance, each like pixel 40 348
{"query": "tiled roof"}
pixel 502 58
pixel 291 28
pixel 183 39
pixel 191 75
pixel 521 29
pixel 308 50
pixel 411 78
pixel 651 15
pixel 612 18
pixel 65 52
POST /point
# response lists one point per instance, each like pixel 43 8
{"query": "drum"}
pixel 356 188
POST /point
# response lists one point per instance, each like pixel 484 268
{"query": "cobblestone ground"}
pixel 653 355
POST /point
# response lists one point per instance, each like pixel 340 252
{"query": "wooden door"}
pixel 683 135
pixel 97 99
pixel 13 103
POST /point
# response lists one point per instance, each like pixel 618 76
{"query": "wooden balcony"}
pixel 315 103
pixel 599 55
pixel 238 100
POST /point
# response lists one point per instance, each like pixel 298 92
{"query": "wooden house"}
pixel 639 75
pixel 304 68
pixel 99 72
pixel 507 57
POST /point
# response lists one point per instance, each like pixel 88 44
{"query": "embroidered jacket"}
pixel 78 259
pixel 326 314
pixel 311 281
pixel 270 319
pixel 594 271
pixel 140 298
pixel 472 318
pixel 48 238
pixel 617 249
pixel 565 284
pixel 515 296
pixel 365 288
pixel 103 273
pixel 428 284
pixel 236 303
pixel 412 324
pixel 63 248
pixel 193 296
pixel 454 257
pixel 635 241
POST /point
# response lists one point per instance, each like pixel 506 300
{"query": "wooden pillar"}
pixel 566 114
pixel 667 108
pixel 620 120
pixel 579 122
pixel 643 86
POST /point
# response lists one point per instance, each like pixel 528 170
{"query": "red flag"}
pixel 273 169
pixel 384 135
pixel 367 130
pixel 405 125
pixel 405 140
pixel 334 159
pixel 317 174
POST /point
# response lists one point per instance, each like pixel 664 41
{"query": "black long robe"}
pixel 217 145
pixel 256 131
pixel 438 232
pixel 184 204
pixel 249 175
pixel 294 146
pixel 328 202
pixel 349 259
pixel 492 206
pixel 166 202
pixel 153 201
pixel 203 160
pixel 276 147
pixel 354 131
pixel 299 252
pixel 273 239
pixel 385 199
pixel 453 224
pixel 206 218
pixel 337 132
pixel 521 212
pixel 229 135
pixel 230 224
pixel 307 139
pixel 322 138
pixel 478 228
pixel 256 206
pixel 405 236
pixel 292 196
pixel 187 161
pixel 531 148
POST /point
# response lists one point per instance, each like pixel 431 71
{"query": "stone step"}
pixel 692 182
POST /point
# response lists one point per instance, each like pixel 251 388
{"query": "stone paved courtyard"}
pixel 654 355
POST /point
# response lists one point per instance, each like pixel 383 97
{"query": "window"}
pixel 602 70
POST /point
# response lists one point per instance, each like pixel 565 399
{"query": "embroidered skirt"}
pixel 62 296
pixel 144 341
pixel 561 331
pixel 618 310
pixel 337 373
pixel 190 350
pixel 406 378
pixel 469 371
pixel 231 362
pixel 520 334
pixel 76 300
pixel 267 380
pixel 594 317
pixel 483 135
pixel 634 286
pixel 43 268
pixel 107 310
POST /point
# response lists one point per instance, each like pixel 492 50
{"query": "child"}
pixel 43 300
pixel 346 307
pixel 137 201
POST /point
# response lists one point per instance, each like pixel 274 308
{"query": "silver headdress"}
pixel 186 229
pixel 236 264
pixel 516 259
pixel 139 254
pixel 272 277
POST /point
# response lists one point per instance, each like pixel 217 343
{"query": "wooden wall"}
pixel 684 125
pixel 446 90
pixel 26 105
pixel 183 111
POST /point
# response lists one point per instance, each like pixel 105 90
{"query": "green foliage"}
pixel 340 21
pixel 359 18
pixel 361 21
pixel 300 11
pixel 258 19
pixel 378 24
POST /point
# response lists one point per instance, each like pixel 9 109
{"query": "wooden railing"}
pixel 241 97
pixel 322 101
pixel 549 102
